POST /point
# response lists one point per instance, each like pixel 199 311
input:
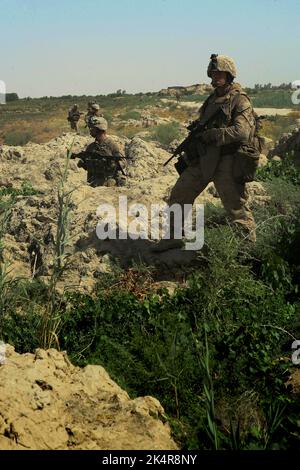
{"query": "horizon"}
pixel 127 93
pixel 93 48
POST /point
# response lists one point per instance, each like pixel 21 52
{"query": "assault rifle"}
pixel 196 128
pixel 84 155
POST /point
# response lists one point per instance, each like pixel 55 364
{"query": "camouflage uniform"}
pixel 73 117
pixel 231 128
pixel 92 114
pixel 102 170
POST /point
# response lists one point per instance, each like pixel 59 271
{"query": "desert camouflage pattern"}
pixel 224 64
pixel 73 117
pixel 101 169
pixel 90 116
pixel 98 123
pixel 234 126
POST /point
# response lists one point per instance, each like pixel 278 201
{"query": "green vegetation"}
pixel 166 133
pixel 26 189
pixel 41 119
pixel 273 99
pixel 284 170
pixel 131 115
pixel 11 97
pixel 18 137
pixel 216 352
pixel 275 126
pixel 196 98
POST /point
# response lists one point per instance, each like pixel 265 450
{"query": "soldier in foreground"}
pixel 93 112
pixel 220 152
pixel 73 117
pixel 102 159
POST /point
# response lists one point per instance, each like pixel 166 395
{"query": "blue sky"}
pixel 98 46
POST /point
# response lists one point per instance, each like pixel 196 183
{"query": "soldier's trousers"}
pixel 233 194
pixel 74 125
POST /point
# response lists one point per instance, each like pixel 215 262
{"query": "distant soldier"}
pixel 93 112
pixel 102 159
pixel 73 117
pixel 177 96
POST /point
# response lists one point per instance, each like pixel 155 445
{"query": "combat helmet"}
pixel 221 63
pixel 95 107
pixel 99 123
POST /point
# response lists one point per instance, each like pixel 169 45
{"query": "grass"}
pixel 130 115
pixel 166 133
pixel 51 317
pixel 273 99
pixel 41 119
pixel 26 189
pixel 215 352
pixel 18 137
pixel 274 126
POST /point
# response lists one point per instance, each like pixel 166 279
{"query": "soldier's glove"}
pixel 82 164
pixel 209 136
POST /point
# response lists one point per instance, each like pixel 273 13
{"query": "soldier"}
pixel 73 117
pixel 177 96
pixel 233 125
pixel 288 143
pixel 102 158
pixel 93 112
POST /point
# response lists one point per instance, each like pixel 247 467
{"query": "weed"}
pixel 166 133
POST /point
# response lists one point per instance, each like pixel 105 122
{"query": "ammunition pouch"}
pixel 245 163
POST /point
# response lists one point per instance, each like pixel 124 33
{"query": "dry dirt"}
pixel 48 404
pixel 29 247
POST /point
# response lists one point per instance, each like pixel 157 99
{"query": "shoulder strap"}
pixel 236 97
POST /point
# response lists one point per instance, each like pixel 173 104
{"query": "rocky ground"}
pixel 48 404
pixel 29 242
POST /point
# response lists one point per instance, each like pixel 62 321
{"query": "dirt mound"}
pixel 29 243
pixel 47 403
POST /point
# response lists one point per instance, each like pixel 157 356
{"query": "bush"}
pixel 130 115
pixel 11 97
pixel 216 352
pixel 273 99
pixel 26 189
pixel 154 343
pixel 18 137
pixel 284 170
pixel 166 133
pixel 275 126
